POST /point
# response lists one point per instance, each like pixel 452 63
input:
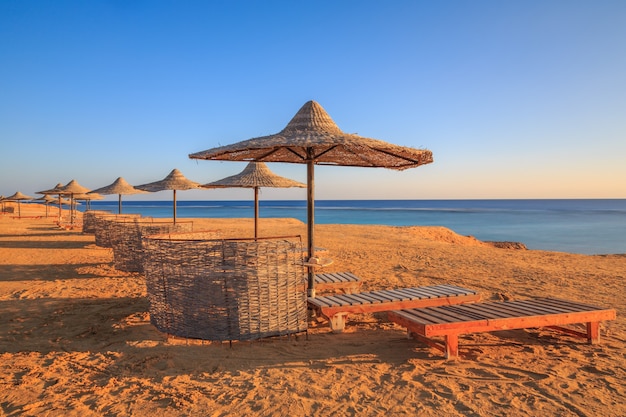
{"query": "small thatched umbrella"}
pixel 47 199
pixel 88 198
pixel 57 190
pixel 119 187
pixel 174 181
pixel 73 188
pixel 18 196
pixel 313 138
pixel 255 175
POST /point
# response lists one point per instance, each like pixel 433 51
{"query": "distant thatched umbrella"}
pixel 119 187
pixel 73 188
pixel 47 199
pixel 174 181
pixel 88 198
pixel 313 138
pixel 18 196
pixel 57 190
pixel 255 175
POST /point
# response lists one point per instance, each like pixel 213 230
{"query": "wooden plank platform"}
pixel 334 281
pixel 452 321
pixel 336 308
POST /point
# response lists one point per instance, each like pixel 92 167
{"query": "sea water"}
pixel 586 226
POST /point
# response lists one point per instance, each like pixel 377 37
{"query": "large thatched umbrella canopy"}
pixel 312 137
pixel 255 175
pixel 18 196
pixel 119 186
pixel 174 181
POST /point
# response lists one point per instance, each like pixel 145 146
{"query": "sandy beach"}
pixel 75 336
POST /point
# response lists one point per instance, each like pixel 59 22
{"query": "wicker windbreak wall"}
pixel 125 237
pixel 225 289
pixel 103 225
pixel 89 219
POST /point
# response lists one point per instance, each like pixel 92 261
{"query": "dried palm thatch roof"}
pixel 18 196
pixel 73 187
pixel 56 190
pixel 88 196
pixel 47 199
pixel 175 180
pixel 119 186
pixel 312 135
pixel 255 174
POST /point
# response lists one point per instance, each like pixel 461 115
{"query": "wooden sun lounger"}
pixel 336 307
pixel 452 321
pixel 345 281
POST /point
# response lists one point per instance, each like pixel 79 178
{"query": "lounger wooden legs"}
pixel 452 346
pixel 338 322
pixel 593 332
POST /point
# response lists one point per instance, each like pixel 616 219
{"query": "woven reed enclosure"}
pixel 125 237
pixel 225 289
pixel 103 225
pixel 89 219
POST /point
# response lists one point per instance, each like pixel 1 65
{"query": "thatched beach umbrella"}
pixel 88 198
pixel 18 196
pixel 255 175
pixel 174 181
pixel 313 138
pixel 73 188
pixel 119 186
pixel 47 199
pixel 57 190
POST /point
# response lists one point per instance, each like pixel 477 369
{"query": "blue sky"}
pixel 516 99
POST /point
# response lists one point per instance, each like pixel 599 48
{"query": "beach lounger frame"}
pixel 453 321
pixel 333 281
pixel 336 308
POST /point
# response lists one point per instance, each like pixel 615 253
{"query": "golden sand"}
pixel 75 337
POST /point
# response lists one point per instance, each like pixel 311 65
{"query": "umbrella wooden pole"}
pixel 256 212
pixel 119 204
pixel 310 167
pixel 174 207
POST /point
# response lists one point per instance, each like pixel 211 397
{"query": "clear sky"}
pixel 516 99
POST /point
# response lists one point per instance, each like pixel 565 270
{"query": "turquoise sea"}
pixel 587 226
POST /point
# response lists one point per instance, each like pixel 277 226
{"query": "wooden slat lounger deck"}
pixel 336 307
pixel 452 321
pixel 345 281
